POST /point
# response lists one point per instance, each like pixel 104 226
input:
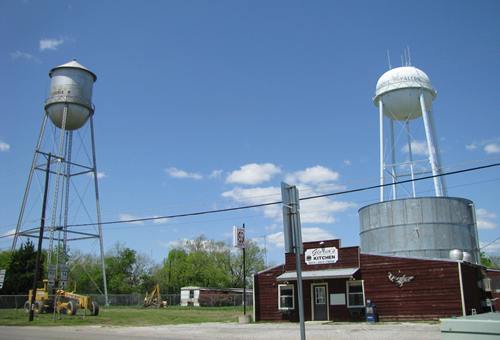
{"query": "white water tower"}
pixel 71 165
pixel 404 95
pixel 402 224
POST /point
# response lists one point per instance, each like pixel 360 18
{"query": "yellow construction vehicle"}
pixel 153 299
pixel 65 302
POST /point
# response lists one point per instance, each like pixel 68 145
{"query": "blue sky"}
pixel 211 104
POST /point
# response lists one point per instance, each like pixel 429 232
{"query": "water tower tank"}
pixel 428 227
pixel 400 88
pixel 71 86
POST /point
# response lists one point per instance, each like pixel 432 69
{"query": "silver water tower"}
pixel 404 224
pixel 71 164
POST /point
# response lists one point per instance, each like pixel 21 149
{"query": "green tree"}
pixel 254 262
pixel 172 275
pixel 126 270
pixel 85 273
pixel 486 261
pixel 5 259
pixel 208 263
pixel 20 270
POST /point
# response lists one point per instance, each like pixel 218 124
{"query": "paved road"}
pixel 233 331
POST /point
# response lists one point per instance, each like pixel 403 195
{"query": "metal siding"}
pixel 422 227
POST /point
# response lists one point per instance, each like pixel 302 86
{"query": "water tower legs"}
pixel 98 210
pixel 381 136
pixel 66 170
pixel 432 148
pixel 28 184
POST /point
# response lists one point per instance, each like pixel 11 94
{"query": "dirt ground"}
pixel 233 331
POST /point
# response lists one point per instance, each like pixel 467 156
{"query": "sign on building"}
pixel 238 237
pixel 322 255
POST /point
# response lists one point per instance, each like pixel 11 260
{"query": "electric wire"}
pixel 252 206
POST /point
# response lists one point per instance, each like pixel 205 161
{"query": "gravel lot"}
pixel 268 331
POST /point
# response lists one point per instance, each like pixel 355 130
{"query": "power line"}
pixel 489 244
pixel 214 211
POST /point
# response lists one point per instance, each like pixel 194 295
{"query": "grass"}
pixel 126 316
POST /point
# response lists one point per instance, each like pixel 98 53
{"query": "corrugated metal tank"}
pixel 428 227
pixel 71 86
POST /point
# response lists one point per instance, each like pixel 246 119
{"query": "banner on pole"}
pixel 238 237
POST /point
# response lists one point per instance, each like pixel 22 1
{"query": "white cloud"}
pixel 347 162
pixel 492 148
pixel 308 235
pixel 485 219
pixel 276 239
pixel 19 55
pixel 316 234
pixel 417 148
pixel 322 210
pixel 258 196
pixel 9 233
pixel 319 210
pixel 174 244
pixel 253 173
pixel 215 174
pixel 493 248
pixel 100 174
pixel 177 173
pixel 127 217
pixel 50 44
pixel 314 175
pixel 160 220
pixel 4 147
pixel 471 147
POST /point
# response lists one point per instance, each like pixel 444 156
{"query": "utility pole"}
pixel 40 239
pixel 293 241
pixel 244 278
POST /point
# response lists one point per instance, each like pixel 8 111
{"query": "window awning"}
pixel 319 274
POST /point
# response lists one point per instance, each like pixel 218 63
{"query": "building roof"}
pixel 319 274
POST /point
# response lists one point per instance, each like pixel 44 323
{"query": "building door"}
pixel 320 303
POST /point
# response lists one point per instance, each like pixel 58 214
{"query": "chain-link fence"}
pixel 217 300
pixel 206 300
pixel 13 301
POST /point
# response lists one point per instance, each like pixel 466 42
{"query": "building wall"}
pixel 266 295
pixel 494 275
pixel 433 293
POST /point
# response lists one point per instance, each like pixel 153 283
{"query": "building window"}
pixel 191 294
pixel 286 297
pixel 355 294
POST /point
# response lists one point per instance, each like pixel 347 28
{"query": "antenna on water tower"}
pixel 69 107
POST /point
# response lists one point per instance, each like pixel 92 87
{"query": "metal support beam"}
pixel 381 131
pixel 410 153
pixel 28 184
pixel 98 210
pixel 431 146
pixel 393 161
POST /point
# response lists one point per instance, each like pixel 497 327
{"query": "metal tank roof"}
pixel 402 78
pixel 73 64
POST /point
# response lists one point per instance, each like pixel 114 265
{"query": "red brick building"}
pixel 337 282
